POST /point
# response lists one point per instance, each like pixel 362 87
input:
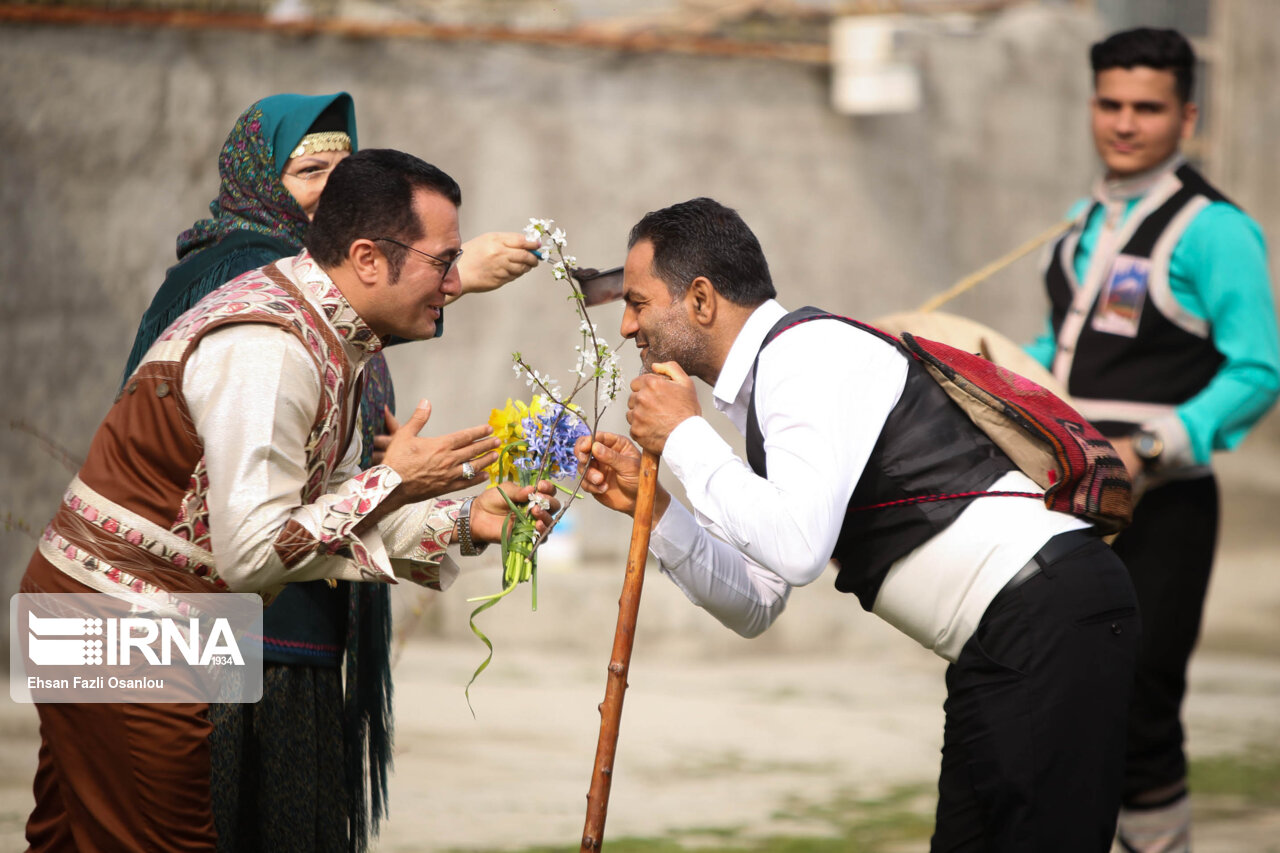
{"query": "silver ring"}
pixel 468 471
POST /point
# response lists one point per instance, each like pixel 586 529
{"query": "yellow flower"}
pixel 508 426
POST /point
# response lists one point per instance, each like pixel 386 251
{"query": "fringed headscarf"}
pixel 255 219
pixel 251 196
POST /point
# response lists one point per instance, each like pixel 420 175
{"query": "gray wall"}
pixel 1250 169
pixel 110 137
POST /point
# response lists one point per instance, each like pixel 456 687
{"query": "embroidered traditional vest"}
pixel 1134 344
pixel 928 446
pixel 137 514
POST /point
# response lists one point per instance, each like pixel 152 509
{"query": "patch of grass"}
pixel 723 833
pixel 902 817
pixel 615 845
pixel 861 823
pixel 1253 777
pixel 849 823
pixel 732 762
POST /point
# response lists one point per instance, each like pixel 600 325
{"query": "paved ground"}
pixel 722 738
pixel 721 734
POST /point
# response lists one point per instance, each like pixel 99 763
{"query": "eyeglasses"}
pixel 446 264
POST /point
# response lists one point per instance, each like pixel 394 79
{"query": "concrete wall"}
pixel 1249 167
pixel 110 137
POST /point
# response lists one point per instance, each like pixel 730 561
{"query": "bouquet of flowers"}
pixel 538 437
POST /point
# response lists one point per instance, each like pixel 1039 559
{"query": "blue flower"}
pixel 551 435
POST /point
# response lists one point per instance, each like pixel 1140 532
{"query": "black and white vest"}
pixel 928 446
pixel 1125 345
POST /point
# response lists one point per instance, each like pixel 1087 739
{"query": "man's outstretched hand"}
pixel 489 510
pixel 430 467
pixel 613 473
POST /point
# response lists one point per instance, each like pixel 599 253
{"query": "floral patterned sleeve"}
pixel 416 537
pixel 254 417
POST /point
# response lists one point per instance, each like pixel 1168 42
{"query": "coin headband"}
pixel 328 140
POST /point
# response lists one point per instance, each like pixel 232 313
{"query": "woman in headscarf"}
pixel 304 769
pixel 272 168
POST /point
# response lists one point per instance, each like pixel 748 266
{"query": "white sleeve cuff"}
pixel 1177 452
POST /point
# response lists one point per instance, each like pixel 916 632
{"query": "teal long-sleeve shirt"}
pixel 1218 272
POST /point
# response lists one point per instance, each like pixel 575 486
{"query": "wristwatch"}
pixel 462 532
pixel 1148 445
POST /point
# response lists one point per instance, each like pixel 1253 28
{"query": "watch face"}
pixel 1147 445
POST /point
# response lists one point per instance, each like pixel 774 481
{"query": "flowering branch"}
pixel 538 439
pixel 597 364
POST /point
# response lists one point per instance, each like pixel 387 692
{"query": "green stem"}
pixel 489 601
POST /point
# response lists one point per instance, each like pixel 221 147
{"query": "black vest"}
pixel 928 446
pixel 1163 363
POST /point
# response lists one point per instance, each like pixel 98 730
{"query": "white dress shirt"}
pixel 825 393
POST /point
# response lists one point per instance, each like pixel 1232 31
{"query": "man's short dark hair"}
pixel 702 237
pixel 1163 50
pixel 370 194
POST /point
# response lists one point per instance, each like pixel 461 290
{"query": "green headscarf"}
pixel 255 219
pixel 251 196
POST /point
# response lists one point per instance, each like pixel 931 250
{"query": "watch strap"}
pixel 466 545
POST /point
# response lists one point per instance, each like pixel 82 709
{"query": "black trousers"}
pixel 1169 551
pixel 1036 710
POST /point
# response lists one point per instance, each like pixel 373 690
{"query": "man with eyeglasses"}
pixel 445 264
pixel 326 647
pixel 229 462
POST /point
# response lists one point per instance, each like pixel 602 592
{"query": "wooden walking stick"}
pixel 620 660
